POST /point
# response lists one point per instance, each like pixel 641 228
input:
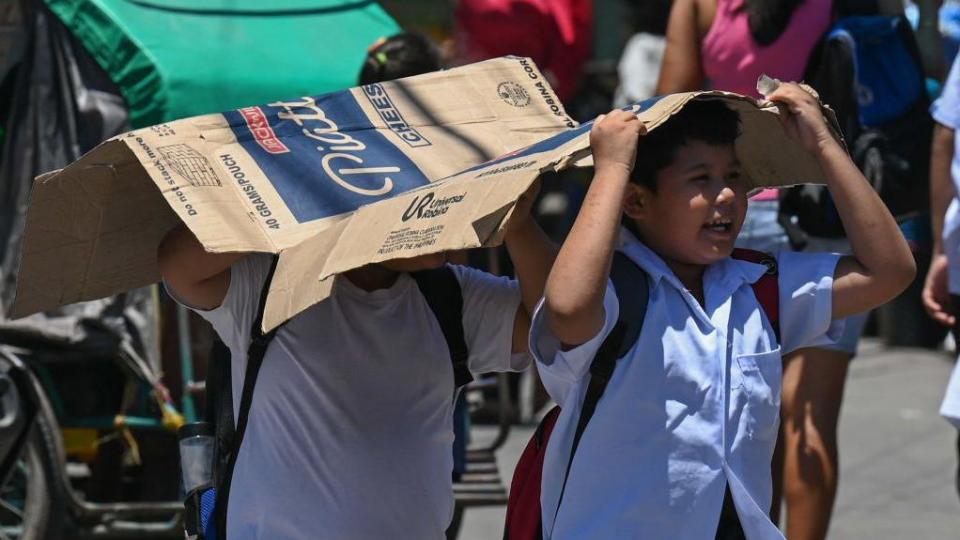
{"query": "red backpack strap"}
pixel 523 507
pixel 767 288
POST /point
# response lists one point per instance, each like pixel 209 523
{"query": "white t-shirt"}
pixel 350 430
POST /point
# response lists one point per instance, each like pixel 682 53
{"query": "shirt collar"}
pixel 647 259
pixel 733 271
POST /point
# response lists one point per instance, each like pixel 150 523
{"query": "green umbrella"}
pixel 178 58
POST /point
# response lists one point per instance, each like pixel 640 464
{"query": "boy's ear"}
pixel 635 200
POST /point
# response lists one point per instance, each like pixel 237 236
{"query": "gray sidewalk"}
pixel 897 456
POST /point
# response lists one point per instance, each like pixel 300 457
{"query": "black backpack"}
pixel 874 81
pixel 441 290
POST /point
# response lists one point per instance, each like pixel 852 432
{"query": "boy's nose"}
pixel 726 195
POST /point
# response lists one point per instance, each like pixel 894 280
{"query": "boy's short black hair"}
pixel 705 120
pixel 401 55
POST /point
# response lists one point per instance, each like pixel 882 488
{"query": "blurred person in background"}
pixel 936 25
pixel 556 34
pixel 941 291
pixel 401 55
pixel 727 45
pixel 639 65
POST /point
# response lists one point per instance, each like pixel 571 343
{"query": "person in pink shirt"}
pixel 727 45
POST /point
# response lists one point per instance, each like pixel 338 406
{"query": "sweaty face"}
pixel 697 211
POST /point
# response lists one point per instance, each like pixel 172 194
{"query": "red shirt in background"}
pixel 556 34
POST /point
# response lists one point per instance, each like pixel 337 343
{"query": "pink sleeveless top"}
pixel 732 60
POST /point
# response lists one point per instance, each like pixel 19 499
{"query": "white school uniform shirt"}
pixel 350 430
pixel 946 111
pixel 692 407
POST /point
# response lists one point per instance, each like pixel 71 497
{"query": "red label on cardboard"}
pixel 261 130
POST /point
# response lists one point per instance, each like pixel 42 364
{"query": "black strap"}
pixel 219 406
pixel 441 289
pixel 630 283
pixel 730 527
pixel 259 341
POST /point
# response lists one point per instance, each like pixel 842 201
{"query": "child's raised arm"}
pixel 196 276
pixel 578 281
pixel 881 266
pixel 532 253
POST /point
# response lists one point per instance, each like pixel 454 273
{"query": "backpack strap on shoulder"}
pixel 767 288
pixel 630 282
pixel 441 289
pixel 259 342
pixel 219 405
pixel 633 293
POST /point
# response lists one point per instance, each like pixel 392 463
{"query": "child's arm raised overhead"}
pixel 576 285
pixel 196 276
pixel 532 253
pixel 881 266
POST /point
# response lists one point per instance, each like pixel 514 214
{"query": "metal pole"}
pixel 186 362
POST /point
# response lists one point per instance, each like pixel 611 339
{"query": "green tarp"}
pixel 178 58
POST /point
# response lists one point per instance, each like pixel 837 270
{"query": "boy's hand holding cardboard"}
pixel 613 140
pixel 804 120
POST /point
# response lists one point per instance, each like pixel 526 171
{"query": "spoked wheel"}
pixel 31 503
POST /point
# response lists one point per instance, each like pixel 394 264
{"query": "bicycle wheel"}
pixel 32 507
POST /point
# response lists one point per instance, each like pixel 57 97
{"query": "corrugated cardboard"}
pixel 470 209
pixel 332 183
pixel 266 178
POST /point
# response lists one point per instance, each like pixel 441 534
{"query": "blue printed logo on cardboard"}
pixel 323 155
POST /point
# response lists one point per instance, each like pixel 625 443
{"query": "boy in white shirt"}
pixel 350 430
pixel 679 446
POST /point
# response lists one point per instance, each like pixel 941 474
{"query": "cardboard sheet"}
pixel 334 182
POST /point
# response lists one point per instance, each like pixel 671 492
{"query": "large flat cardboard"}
pixel 334 182
pixel 266 178
pixel 470 209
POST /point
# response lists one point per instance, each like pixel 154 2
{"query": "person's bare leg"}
pixel 813 382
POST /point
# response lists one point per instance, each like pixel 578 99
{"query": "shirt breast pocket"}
pixel 761 375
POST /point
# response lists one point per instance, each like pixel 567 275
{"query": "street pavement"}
pixel 897 455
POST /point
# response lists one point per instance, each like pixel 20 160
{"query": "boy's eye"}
pixel 700 178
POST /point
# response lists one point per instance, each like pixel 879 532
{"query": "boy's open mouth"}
pixel 719 225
